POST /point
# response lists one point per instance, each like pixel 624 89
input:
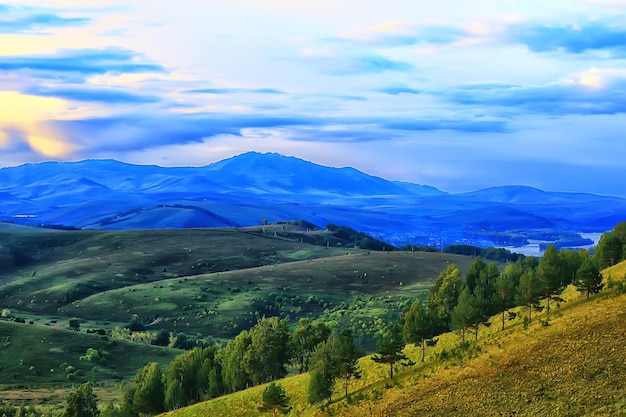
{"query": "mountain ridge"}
pixel 246 189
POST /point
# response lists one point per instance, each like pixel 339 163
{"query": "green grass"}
pixel 209 281
pixel 206 283
pixel 356 288
pixel 32 355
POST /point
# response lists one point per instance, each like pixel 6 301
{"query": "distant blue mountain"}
pixel 245 189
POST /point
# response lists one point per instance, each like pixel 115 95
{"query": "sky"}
pixel 456 94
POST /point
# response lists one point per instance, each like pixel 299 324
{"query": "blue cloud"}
pixel 413 36
pixel 81 61
pixel 553 99
pixel 574 40
pixel 465 126
pixel 90 94
pixel 367 64
pixel 25 19
pixel 398 89
pixel 235 91
pixel 137 132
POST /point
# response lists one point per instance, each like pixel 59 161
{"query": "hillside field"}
pixel 571 365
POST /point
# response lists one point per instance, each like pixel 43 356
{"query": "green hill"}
pixel 39 363
pixel 209 282
pixel 572 365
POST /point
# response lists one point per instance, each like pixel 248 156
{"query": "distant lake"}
pixel 533 248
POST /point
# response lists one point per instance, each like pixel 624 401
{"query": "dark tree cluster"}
pixel 491 253
pixel 360 239
pixel 611 248
pixel 253 357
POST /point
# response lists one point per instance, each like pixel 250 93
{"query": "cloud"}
pixel 572 39
pixel 397 89
pixel 84 62
pixel 465 126
pixel 91 94
pixel 585 93
pixel 235 91
pixel 365 64
pixel 399 34
pixel 26 19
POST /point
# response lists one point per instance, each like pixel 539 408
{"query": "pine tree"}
pixel 467 313
pixel 389 347
pixel 588 278
pixel 347 355
pixel 504 292
pixel 550 274
pixel 529 291
pixel 274 398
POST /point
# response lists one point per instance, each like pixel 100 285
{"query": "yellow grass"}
pixel 573 366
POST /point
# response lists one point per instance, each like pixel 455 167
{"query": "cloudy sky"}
pixel 456 94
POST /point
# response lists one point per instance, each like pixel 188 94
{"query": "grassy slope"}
pixel 574 366
pixel 47 271
pixel 223 303
pixel 209 281
pixel 45 349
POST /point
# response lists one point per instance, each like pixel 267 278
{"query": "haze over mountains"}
pixel 249 188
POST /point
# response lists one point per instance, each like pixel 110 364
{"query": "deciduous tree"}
pixel 303 341
pixel 444 294
pixel 420 324
pixel 148 391
pixel 81 403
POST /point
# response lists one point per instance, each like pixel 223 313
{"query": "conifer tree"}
pixel 389 347
pixel 467 313
pixel 529 291
pixel 550 273
pixel 274 398
pixel 347 355
pixel 504 292
pixel 588 278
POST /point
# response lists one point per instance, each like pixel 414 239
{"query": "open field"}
pixel 572 365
